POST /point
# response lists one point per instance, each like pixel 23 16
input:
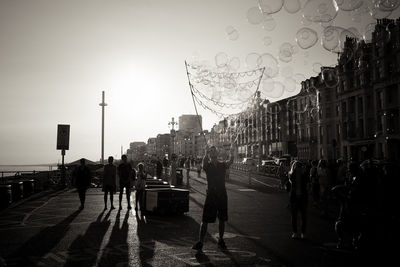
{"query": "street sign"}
pixel 63 137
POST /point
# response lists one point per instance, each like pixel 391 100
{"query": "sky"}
pixel 56 58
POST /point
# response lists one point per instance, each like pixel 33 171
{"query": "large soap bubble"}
pixel 290 84
pixel 252 61
pixel 270 6
pixel 330 77
pixel 270 63
pixel 286 51
pixel 306 38
pixel 292 6
pixel 320 10
pixel 272 89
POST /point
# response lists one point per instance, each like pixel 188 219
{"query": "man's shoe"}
pixel 81 207
pixel 198 246
pixel 221 244
pixel 112 207
pixel 129 207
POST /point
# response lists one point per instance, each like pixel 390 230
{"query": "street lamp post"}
pixel 172 123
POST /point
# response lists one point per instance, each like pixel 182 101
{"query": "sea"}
pixel 10 170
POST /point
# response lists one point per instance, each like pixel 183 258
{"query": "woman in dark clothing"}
pixel 298 177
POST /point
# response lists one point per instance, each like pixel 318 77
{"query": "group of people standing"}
pixel 128 177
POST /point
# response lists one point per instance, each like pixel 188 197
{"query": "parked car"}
pixel 248 161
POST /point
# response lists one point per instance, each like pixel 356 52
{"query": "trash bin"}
pixel 5 195
pixel 28 187
pixel 17 190
pixel 179 176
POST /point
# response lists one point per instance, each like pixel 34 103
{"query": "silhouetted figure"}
pixel 324 186
pixel 82 176
pixel 109 181
pixel 165 163
pixel 126 174
pixel 172 175
pixel 298 177
pixel 216 203
pixel 314 182
pixel 198 166
pixel 159 168
pixel 140 187
pixel 187 166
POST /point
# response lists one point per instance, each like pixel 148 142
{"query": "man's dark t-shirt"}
pixel 215 177
pixel 124 173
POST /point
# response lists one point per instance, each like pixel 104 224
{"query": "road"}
pixel 51 231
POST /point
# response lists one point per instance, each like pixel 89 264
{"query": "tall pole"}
pixel 103 105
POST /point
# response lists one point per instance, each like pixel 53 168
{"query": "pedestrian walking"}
pixel 298 195
pixel 187 166
pixel 198 166
pixel 165 163
pixel 216 203
pixel 282 175
pixel 172 175
pixel 324 186
pixel 140 187
pixel 159 168
pixel 126 174
pixel 109 181
pixel 314 182
pixel 82 176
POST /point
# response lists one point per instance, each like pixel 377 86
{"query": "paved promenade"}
pixel 50 231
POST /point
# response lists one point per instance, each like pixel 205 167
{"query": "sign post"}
pixel 63 144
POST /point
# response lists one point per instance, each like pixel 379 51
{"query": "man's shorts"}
pixel 109 188
pixel 127 186
pixel 215 206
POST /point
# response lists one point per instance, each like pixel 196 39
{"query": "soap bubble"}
pixel 349 5
pixel 252 61
pixel 330 77
pixel 268 23
pixel 270 6
pixel 267 40
pixel 221 59
pixel 290 85
pixel 292 6
pixel 234 63
pixel 317 67
pixel 306 38
pixel 270 63
pixel 320 10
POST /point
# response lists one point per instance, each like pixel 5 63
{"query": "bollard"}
pixel 17 190
pixel 28 187
pixel 5 195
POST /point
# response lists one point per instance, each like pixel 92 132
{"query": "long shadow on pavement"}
pixel 85 248
pixel 117 250
pixel 32 251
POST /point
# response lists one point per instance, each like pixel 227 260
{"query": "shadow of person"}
pixel 84 249
pixel 203 259
pixel 146 242
pixel 116 252
pixel 32 251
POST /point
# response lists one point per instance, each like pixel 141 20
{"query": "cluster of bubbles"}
pixel 221 85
